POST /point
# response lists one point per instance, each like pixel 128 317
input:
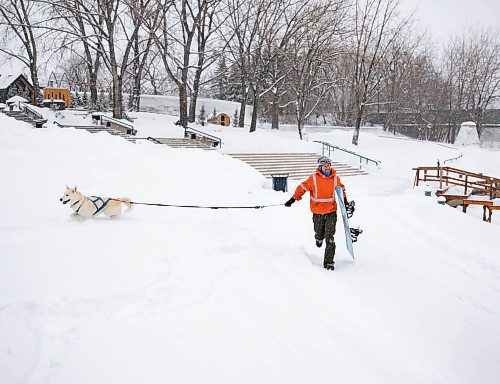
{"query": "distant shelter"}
pixel 220 118
pixel 57 94
pixel 16 85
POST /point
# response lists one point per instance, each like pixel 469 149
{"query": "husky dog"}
pixel 89 206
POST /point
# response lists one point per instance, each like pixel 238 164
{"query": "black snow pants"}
pixel 324 228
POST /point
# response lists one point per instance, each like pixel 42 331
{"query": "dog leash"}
pixel 200 206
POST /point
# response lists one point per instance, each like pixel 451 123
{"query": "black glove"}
pixel 349 208
pixel 290 202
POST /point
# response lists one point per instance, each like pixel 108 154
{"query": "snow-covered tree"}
pixel 235 118
pixel 202 116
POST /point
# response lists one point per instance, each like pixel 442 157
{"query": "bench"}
pixel 476 201
pixel 490 208
pixel 454 200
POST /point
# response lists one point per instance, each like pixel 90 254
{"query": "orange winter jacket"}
pixel 321 190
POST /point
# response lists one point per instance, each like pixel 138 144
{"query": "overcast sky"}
pixel 444 17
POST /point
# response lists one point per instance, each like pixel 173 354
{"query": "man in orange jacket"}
pixel 321 187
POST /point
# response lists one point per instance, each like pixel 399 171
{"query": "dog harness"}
pixel 99 203
pixel 96 200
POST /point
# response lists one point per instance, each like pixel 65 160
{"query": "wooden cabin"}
pixel 220 119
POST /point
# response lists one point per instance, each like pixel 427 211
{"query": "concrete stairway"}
pixel 21 116
pixel 295 165
pixel 177 142
pixel 101 128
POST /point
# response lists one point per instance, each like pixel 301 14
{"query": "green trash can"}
pixel 280 182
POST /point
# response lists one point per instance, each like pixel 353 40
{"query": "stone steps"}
pixel 101 128
pixel 178 142
pixel 22 116
pixel 295 165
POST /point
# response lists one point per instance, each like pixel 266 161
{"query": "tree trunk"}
pixel 299 114
pixel 241 120
pixel 36 85
pixel 243 105
pixel 479 121
pixel 253 123
pixel 117 97
pixel 359 116
pixel 93 88
pixel 194 97
pixel 300 126
pixel 183 106
pixel 275 112
pixel 196 83
pixel 255 110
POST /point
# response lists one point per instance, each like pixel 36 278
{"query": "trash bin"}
pixel 96 119
pixel 40 123
pixel 280 182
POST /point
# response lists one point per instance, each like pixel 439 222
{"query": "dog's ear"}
pixel 75 188
pixel 67 186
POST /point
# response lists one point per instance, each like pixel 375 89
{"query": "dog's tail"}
pixel 126 201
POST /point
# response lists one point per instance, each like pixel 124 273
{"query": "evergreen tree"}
pixel 201 116
pixel 101 102
pixel 236 118
pixel 220 81
pixel 233 90
pixel 72 103
pixel 78 99
pixel 85 100
pixel 110 101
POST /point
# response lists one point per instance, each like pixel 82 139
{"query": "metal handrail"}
pixel 332 147
pixel 153 140
pixel 207 135
pixel 452 159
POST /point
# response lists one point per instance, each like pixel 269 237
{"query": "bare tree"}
pixel 244 19
pixel 474 72
pixel 180 22
pixel 376 26
pixel 291 18
pixel 206 53
pixel 141 45
pixel 21 36
pixel 81 36
pixel 315 47
pixel 262 32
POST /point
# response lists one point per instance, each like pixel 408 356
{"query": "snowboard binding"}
pixel 349 208
pixel 355 232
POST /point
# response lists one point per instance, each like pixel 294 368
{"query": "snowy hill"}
pixel 237 296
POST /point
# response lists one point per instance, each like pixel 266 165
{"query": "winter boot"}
pixel 330 267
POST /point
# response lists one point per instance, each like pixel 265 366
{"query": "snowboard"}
pixel 347 230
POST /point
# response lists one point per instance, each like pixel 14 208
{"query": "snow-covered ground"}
pixel 176 295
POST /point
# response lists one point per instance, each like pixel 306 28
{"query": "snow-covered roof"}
pixel 53 101
pixel 7 79
pixel 211 115
pixel 15 99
